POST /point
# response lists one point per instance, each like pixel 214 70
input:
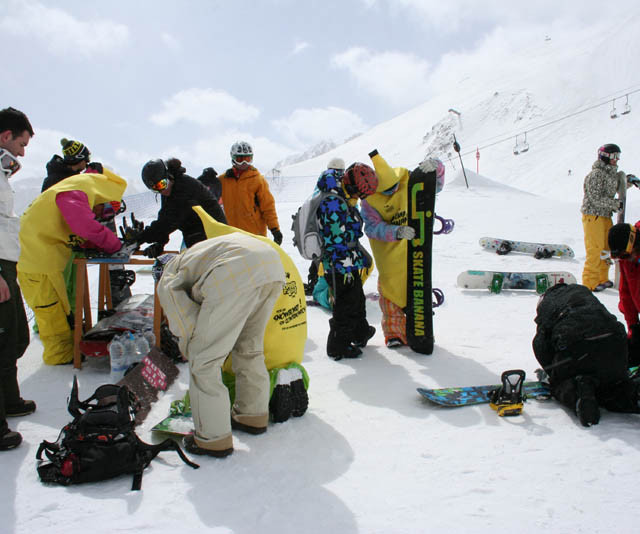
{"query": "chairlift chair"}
pixel 524 147
pixel 627 108
pixel 516 148
pixel 613 113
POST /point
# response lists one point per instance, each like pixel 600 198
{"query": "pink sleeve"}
pixel 75 210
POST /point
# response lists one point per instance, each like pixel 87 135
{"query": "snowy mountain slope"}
pixel 370 455
pixel 545 87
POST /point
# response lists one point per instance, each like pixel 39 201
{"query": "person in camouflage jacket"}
pixel 600 200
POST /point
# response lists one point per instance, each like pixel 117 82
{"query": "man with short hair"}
pixel 15 134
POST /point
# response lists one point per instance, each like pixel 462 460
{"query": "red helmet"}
pixel 360 180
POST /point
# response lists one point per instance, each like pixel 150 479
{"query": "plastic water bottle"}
pixel 150 337
pixel 118 359
pixel 142 346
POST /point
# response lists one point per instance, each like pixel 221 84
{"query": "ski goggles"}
pixel 161 185
pixel 242 158
pixel 9 163
pixel 113 208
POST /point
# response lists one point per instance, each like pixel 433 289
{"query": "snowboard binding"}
pixel 508 400
pixel 543 253
pixel 504 248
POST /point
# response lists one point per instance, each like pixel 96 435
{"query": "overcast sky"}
pixel 141 79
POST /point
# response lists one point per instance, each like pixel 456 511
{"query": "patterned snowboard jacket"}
pixel 600 188
pixel 341 227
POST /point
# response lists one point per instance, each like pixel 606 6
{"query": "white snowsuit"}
pixel 218 296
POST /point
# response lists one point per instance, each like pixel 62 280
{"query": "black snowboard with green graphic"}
pixel 422 197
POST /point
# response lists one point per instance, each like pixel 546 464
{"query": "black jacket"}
pixel 57 171
pixel 176 213
pixel 209 178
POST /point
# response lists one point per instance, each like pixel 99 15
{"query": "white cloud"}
pixel 62 33
pixel 450 17
pixel 305 127
pixel 205 107
pixel 299 47
pixel 397 78
pixel 214 151
pixel 171 42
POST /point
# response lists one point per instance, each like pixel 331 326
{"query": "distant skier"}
pixel 600 201
pixel 247 200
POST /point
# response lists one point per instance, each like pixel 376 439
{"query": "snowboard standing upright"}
pixel 422 197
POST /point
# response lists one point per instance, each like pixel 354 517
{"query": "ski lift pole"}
pixel 456 147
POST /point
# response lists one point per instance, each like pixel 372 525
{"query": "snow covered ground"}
pixel 370 455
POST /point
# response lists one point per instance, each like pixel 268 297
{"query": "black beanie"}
pixel 74 151
pixel 619 238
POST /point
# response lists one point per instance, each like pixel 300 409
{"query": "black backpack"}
pixel 100 442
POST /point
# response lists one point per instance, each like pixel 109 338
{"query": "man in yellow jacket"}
pixel 58 219
pixel 246 198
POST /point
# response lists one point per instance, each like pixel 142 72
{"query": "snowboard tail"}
pixel 419 312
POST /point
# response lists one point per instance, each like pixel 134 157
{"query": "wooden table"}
pixel 82 316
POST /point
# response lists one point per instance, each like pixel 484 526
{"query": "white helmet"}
pixel 241 148
pixel 337 164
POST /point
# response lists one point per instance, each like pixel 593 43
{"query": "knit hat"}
pixel 337 164
pixel 620 236
pixel 74 151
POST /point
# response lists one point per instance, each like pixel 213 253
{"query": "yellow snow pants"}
pixel 46 294
pixel 596 231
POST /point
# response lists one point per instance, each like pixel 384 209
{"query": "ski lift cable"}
pixel 600 101
pixel 544 125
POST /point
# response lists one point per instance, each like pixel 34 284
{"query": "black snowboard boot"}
pixel 363 337
pixel 9 439
pixel 339 347
pixel 587 408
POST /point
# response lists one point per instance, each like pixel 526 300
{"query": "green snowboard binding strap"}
pixel 542 283
pixel 496 283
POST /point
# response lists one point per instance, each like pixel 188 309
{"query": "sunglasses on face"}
pixel 161 185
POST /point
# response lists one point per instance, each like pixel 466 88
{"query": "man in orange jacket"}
pixel 247 200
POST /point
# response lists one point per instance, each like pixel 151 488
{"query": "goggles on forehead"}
pixel 161 185
pixel 8 162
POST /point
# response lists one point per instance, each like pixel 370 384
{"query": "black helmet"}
pixel 608 152
pixel 154 171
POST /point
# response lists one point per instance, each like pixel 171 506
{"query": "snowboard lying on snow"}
pixel 540 250
pixel 496 281
pixel 467 396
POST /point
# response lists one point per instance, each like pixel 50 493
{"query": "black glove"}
pixel 96 167
pixel 277 235
pixel 154 250
pixel 131 233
